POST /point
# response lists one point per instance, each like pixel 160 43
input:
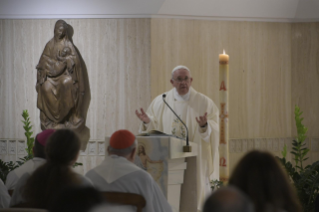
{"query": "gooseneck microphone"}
pixel 186 148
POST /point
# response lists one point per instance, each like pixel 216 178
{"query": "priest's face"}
pixel 182 81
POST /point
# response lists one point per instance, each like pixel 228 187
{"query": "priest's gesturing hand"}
pixel 202 120
pixel 142 116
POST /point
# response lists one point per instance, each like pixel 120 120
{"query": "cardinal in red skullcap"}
pixel 118 173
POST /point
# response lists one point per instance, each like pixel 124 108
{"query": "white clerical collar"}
pixel 115 167
pixel 181 98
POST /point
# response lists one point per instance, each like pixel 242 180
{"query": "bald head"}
pixel 228 199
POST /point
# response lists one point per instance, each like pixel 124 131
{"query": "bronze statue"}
pixel 62 82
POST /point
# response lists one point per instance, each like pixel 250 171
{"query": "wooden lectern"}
pixel 174 171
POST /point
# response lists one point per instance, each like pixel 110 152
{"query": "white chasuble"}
pixel 197 104
pixel 117 174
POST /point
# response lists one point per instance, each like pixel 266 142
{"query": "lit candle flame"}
pixel 223 51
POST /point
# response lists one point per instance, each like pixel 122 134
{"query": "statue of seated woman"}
pixel 60 83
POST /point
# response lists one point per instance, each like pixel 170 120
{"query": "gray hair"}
pixel 180 67
pixel 228 199
pixel 123 152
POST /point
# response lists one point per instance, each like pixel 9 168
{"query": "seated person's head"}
pixel 40 142
pixel 79 199
pixel 228 199
pixel 63 147
pixel 123 143
pixel 259 175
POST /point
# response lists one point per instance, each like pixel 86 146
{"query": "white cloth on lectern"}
pixel 109 176
pixel 28 167
pixel 188 107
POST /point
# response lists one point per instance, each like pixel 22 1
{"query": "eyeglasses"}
pixel 180 80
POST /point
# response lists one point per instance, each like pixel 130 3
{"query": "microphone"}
pixel 186 148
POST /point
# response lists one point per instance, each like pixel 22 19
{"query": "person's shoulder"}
pixel 17 193
pixel 12 179
pixel 85 181
pixel 22 167
pixel 92 171
pixel 1 183
pixel 12 175
pixel 160 96
pixel 4 196
pixel 200 96
pixel 22 180
pixel 143 175
pixel 30 164
pixel 25 176
pixel 158 100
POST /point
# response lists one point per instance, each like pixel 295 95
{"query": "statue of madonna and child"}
pixel 62 83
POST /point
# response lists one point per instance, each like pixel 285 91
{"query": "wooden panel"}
pixel 260 68
pixel 305 75
pixel 117 56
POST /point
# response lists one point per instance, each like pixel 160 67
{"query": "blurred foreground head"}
pixel 62 149
pixel 260 176
pixel 228 199
pixel 79 199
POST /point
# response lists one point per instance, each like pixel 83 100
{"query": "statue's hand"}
pixel 61 59
pixel 43 76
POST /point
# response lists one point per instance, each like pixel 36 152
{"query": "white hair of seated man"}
pixel 123 152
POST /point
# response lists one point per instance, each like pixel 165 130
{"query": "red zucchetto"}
pixel 122 139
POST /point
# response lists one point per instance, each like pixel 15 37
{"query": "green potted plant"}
pixel 6 167
pixel 305 178
pixel 28 133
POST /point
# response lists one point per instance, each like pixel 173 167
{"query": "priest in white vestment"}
pixel 32 164
pixel 4 196
pixel 201 116
pixel 118 173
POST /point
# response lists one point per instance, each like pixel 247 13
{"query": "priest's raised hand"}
pixel 142 116
pixel 202 120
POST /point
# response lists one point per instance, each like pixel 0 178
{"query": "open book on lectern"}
pixel 157 133
pixel 153 132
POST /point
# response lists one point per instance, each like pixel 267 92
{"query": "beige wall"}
pixel 267 75
pixel 117 56
pixel 260 69
pixel 273 66
pixel 305 74
pixel 305 81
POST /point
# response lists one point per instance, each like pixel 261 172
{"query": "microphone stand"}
pixel 186 148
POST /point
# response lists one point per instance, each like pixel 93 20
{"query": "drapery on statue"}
pixel 62 82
